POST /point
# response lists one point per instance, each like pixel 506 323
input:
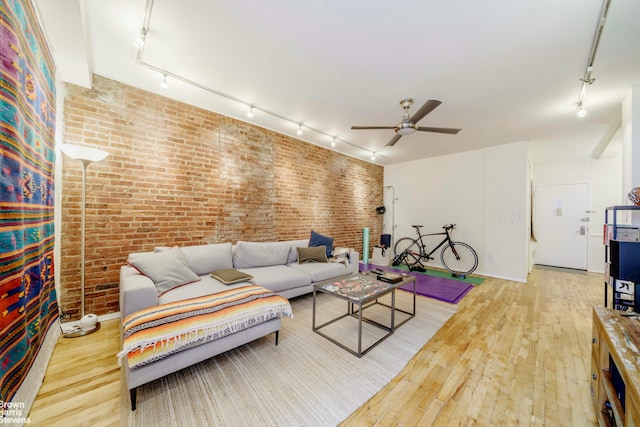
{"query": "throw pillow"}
pixel 167 269
pixel 313 254
pixel 318 239
pixel 230 276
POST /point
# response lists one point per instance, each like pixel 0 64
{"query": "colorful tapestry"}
pixel 28 304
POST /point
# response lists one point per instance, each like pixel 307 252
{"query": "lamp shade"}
pixel 80 152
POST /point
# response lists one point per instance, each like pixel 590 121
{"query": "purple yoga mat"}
pixel 439 288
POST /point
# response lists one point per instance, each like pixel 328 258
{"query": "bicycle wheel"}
pixel 459 258
pixel 407 251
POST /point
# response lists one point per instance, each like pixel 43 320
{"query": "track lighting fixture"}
pixel 581 111
pixel 588 78
pixel 138 42
pixel 373 156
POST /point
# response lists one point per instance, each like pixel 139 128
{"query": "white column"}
pixel 631 141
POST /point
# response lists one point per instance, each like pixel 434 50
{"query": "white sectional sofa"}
pixel 272 265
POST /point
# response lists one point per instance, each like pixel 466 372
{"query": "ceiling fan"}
pixel 410 125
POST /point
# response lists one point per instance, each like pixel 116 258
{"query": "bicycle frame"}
pixel 447 239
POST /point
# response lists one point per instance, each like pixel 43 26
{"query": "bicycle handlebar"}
pixel 449 227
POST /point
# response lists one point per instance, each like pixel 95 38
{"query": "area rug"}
pixel 305 380
pixel 440 288
pixel 475 280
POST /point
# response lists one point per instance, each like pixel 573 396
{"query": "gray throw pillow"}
pixel 167 269
pixel 313 254
pixel 229 276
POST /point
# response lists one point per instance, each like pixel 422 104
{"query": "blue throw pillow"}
pixel 320 240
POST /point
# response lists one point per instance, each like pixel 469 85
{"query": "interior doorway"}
pixel 561 225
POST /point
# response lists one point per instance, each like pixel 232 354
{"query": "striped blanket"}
pixel 157 332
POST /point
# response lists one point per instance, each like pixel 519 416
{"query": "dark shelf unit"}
pixel 607 250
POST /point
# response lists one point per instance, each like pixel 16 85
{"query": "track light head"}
pixel 581 111
pixel 138 42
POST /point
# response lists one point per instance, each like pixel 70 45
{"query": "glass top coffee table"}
pixel 361 292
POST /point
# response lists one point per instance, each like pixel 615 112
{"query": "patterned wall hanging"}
pixel 28 304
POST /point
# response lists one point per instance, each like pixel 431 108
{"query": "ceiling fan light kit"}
pixel 406 128
pixel 409 124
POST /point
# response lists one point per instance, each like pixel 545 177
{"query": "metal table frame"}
pixel 361 305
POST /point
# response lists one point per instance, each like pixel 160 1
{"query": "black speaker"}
pixel 625 260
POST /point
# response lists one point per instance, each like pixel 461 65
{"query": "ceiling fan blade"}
pixel 428 107
pixel 439 130
pixel 371 127
pixel 393 140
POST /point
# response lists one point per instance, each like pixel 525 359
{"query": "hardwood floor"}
pixel 514 354
pixel 82 382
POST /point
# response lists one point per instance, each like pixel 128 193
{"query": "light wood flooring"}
pixel 513 354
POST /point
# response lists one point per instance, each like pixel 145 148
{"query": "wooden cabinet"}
pixel 615 367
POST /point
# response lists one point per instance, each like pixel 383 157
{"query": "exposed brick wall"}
pixel 181 175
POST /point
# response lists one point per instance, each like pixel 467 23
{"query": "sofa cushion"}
pixel 203 259
pixel 318 239
pixel 315 254
pixel 322 271
pixel 258 254
pixel 167 270
pixel 207 285
pixel 230 275
pixel 278 277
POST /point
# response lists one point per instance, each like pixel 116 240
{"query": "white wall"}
pixel 483 191
pixel 631 140
pixel 506 205
pixel 631 147
pixel 604 179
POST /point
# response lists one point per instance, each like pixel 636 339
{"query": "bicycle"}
pixel 457 257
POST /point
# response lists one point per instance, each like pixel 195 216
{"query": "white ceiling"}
pixel 505 71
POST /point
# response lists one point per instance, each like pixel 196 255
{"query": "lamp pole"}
pixel 83 215
pixel 88 323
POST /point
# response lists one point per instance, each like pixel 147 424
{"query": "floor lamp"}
pixel 88 322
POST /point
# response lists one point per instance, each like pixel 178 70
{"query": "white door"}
pixel 561 225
